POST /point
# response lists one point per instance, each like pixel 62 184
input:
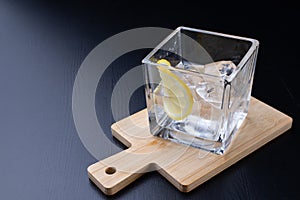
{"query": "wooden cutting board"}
pixel 185 167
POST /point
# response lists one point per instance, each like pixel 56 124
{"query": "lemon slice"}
pixel 177 97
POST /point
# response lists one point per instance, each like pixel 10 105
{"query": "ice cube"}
pixel 196 68
pixel 180 65
pixel 221 68
pixel 193 81
pixel 190 66
pixel 210 92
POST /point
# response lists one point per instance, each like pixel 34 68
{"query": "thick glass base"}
pixel 175 132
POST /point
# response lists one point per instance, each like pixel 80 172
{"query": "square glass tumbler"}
pixel 198 87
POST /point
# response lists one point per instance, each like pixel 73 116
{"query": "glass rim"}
pixel 253 47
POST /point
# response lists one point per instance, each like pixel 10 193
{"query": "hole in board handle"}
pixel 110 170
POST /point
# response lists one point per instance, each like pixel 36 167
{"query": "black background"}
pixel 43 43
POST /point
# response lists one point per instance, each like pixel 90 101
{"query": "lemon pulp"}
pixel 177 97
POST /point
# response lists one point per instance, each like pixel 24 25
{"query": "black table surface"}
pixel 43 44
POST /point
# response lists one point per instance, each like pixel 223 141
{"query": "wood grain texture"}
pixel 185 167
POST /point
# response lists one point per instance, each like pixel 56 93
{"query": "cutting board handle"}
pixel 115 172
